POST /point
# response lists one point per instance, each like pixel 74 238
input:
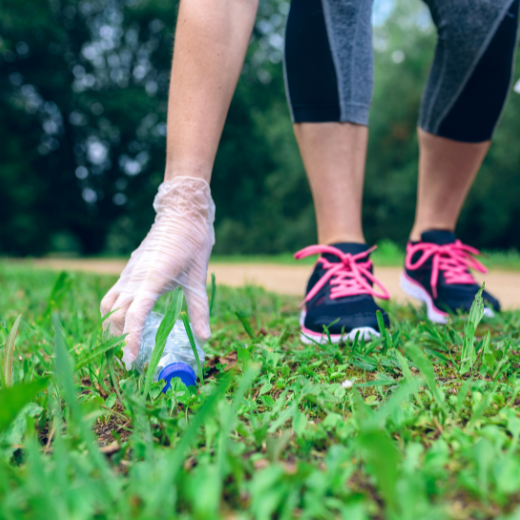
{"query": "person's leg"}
pixel 463 100
pixel 328 65
pixel 466 91
pixel 329 76
pixel 334 158
pixel 447 169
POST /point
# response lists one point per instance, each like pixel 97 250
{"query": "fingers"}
pixel 198 310
pixel 116 322
pixel 128 358
pixel 107 303
pixel 134 322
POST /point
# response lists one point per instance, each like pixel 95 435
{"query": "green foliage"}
pixel 244 319
pixel 58 293
pixel 69 71
pixel 213 292
pixel 14 398
pixel 106 346
pixel 476 313
pixel 166 326
pixel 187 326
pixel 271 431
pixel 7 372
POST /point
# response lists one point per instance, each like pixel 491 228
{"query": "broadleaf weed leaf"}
pixel 14 398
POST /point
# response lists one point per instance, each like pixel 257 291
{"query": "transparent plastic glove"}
pixel 175 253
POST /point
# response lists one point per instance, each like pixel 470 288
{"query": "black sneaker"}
pixel 340 295
pixel 437 273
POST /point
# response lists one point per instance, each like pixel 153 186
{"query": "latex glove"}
pixel 175 253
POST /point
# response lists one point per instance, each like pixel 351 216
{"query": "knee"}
pixel 466 28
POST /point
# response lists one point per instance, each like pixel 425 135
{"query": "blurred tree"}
pixel 404 46
pixel 83 97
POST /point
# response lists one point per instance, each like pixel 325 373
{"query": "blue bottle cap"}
pixel 181 370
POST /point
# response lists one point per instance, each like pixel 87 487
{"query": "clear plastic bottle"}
pixel 177 360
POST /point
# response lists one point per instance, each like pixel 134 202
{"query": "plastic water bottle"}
pixel 177 360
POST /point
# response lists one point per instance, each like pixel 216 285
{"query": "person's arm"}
pixel 211 41
pixel 210 46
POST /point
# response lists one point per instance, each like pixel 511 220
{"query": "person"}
pixel 329 75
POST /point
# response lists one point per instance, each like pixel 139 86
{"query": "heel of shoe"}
pixel 415 290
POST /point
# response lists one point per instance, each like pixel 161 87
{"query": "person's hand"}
pixel 175 253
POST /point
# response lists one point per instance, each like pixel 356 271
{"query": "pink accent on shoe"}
pixel 310 336
pixel 453 260
pixel 347 277
pixel 434 313
pixel 318 335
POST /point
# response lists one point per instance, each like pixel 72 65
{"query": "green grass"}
pixel 429 429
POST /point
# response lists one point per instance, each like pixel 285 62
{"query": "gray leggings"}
pixel 329 64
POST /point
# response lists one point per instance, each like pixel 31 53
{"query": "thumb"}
pixel 198 311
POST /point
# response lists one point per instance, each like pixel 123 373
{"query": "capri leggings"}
pixel 329 64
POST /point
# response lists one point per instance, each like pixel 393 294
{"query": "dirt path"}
pixel 287 279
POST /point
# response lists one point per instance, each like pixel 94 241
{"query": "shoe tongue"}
pixel 440 237
pixel 345 247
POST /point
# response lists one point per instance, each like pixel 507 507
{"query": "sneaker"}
pixel 437 273
pixel 340 294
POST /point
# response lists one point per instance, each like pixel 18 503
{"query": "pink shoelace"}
pixel 348 277
pixel 453 260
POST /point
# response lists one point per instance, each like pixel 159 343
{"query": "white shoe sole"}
pixel 417 291
pixel 310 337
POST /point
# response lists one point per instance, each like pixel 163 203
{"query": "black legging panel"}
pixel 476 112
pixel 329 64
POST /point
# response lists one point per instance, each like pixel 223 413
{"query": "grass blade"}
pixel 9 353
pixel 112 372
pixel 468 354
pixel 245 322
pixel 66 382
pixel 93 336
pixel 394 402
pixel 426 368
pixel 227 425
pixel 187 326
pixel 383 460
pixel 463 392
pixel 110 344
pixel 213 292
pixel 166 326
pixel 379 452
pixel 382 330
pixel 59 291
pixel 408 376
pixel 174 459
pixel 63 369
